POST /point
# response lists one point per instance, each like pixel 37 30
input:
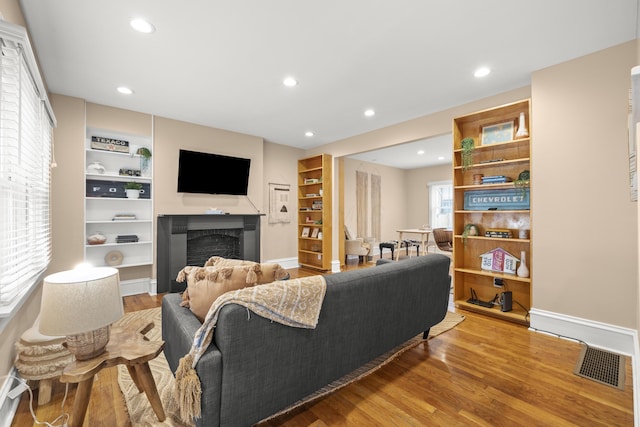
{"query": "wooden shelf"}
pixel 516 315
pixel 508 158
pixel 493 274
pixel 312 252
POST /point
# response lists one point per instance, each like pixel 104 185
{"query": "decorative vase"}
pixel 132 194
pixel 95 167
pixel 522 128
pixel 523 270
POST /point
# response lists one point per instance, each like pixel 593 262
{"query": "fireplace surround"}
pixel 196 238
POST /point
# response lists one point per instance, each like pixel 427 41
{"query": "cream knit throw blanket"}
pixel 295 303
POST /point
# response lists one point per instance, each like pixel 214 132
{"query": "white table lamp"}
pixel 81 304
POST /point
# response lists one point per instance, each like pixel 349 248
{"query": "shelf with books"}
pixel 107 208
pixel 499 213
pixel 314 211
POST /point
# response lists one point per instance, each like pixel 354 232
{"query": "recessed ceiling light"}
pixel 481 72
pixel 369 113
pixel 441 158
pixel 308 134
pixel 141 25
pixel 125 90
pixel 421 152
pixel 290 82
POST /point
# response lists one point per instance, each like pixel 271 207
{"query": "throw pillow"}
pixel 206 284
pixel 218 261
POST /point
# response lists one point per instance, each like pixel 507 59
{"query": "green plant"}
pixel 145 155
pixel 469 230
pixel 523 181
pixel 467 145
pixel 133 186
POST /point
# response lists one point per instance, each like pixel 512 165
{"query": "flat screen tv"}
pixel 212 173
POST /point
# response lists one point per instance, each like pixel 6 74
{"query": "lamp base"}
pixel 88 345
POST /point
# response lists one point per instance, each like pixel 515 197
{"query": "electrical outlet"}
pixel 497 282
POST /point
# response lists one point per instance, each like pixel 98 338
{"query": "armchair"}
pixel 355 246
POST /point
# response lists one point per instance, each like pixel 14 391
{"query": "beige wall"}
pixel 412 130
pixel 392 192
pixel 172 135
pixel 585 230
pixel 279 240
pixel 418 181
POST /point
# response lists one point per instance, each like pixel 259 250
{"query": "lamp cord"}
pixel 63 417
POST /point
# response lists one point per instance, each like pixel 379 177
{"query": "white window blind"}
pixel 26 123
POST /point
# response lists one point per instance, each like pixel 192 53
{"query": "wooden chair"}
pixel 443 239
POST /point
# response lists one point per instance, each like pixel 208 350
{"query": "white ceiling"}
pixel 221 63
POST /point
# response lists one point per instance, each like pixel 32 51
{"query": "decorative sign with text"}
pixel 109 144
pixel 506 199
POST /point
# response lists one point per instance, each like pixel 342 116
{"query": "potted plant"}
pixel 523 182
pixel 133 190
pixel 145 156
pixel 469 230
pixel 467 146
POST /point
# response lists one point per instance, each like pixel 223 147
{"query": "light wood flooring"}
pixel 484 372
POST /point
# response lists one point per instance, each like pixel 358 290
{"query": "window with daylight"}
pixel 26 123
pixel 441 204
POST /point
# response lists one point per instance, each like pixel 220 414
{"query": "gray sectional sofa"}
pixel 255 367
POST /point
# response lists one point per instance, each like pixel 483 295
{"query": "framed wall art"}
pixel 500 132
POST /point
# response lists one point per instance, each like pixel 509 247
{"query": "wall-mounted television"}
pixel 209 173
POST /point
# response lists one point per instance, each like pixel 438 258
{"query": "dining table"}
pixel 424 237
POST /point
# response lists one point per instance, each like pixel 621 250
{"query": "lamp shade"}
pixel 78 301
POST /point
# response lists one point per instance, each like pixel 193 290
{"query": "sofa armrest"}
pixel 179 326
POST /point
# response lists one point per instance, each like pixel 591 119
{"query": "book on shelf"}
pixel 498 232
pixel 495 179
pixel 127 238
pixel 123 217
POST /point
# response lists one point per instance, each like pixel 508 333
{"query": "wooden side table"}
pixel 127 346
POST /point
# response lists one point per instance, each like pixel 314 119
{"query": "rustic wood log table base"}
pixel 127 346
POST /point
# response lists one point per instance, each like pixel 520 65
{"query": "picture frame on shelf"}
pixel 305 231
pixel 314 233
pixel 499 132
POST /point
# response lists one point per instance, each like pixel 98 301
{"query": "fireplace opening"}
pixel 203 244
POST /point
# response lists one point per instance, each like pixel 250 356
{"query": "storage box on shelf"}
pixel 127 224
pixel 314 212
pixel 501 208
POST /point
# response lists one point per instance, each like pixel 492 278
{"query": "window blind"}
pixel 26 123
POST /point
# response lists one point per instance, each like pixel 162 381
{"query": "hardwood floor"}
pixel 484 372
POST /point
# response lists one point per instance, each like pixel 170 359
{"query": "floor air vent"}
pixel 601 366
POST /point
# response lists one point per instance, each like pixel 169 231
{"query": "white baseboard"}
pixel 285 262
pixel 293 263
pixel 137 286
pixel 8 406
pixel 612 338
pixel 601 335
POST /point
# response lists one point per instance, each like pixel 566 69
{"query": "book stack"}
pixel 124 217
pixel 502 233
pixel 495 179
pixel 127 238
